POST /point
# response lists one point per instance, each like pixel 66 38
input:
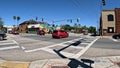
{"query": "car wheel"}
pixel 117 37
pixel 1 38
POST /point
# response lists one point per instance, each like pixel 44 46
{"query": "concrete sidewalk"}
pixel 13 64
pixel 100 62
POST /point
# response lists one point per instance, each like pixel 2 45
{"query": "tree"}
pixel 14 17
pixel 66 27
pixel 1 23
pixel 18 18
pixel 85 27
pixel 91 29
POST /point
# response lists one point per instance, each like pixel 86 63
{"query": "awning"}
pixel 34 26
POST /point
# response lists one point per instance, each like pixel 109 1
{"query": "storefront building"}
pixel 110 22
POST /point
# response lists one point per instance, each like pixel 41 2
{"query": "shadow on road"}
pixel 74 63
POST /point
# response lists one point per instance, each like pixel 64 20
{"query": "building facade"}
pixel 23 27
pixel 110 22
pixel 117 16
pixel 32 26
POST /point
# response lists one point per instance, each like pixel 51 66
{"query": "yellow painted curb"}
pixel 15 65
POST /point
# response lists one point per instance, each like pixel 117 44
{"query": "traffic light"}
pixel 71 21
pixel 78 19
pixel 42 19
pixel 103 2
pixel 53 25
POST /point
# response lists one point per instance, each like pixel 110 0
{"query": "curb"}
pixel 13 64
pixel 48 63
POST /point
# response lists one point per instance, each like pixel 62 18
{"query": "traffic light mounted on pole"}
pixel 42 19
pixel 103 2
pixel 78 19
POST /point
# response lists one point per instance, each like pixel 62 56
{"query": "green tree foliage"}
pixel 85 27
pixel 1 23
pixel 18 18
pixel 67 27
pixel 91 29
pixel 14 17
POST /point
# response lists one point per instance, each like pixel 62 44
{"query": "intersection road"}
pixel 26 47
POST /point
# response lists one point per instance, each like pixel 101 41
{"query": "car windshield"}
pixel 1 32
pixel 55 31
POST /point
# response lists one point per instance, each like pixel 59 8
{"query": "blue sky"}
pixel 87 10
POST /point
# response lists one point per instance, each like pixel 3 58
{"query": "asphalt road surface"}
pixel 104 47
pixel 31 47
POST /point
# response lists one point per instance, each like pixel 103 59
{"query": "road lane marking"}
pixel 22 47
pixel 63 53
pixel 48 48
pixel 15 42
pixel 51 45
pixel 115 40
pixel 10 47
pixel 77 47
pixel 33 50
pixel 63 43
pixel 84 50
pixel 8 42
pixel 84 43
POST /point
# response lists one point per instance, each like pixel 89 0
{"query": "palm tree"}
pixel 1 23
pixel 14 17
pixel 18 18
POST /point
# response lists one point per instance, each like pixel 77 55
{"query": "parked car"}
pixel 95 34
pixel 116 36
pixel 15 32
pixel 59 34
pixel 2 35
pixel 41 32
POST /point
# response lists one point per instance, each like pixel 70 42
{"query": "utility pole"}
pixel 102 3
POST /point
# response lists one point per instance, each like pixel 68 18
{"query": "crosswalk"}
pixel 72 49
pixel 8 44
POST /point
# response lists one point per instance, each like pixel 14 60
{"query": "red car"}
pixel 15 32
pixel 59 34
pixel 41 32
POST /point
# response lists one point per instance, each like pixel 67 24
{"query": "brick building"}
pixel 23 26
pixel 32 26
pixel 110 22
pixel 117 16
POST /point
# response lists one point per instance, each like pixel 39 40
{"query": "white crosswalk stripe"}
pixel 10 47
pixel 62 47
pixel 8 44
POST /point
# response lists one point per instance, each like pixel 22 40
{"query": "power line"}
pixel 75 3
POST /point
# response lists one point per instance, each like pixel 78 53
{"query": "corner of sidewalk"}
pixel 99 62
pixel 106 62
pixel 13 64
